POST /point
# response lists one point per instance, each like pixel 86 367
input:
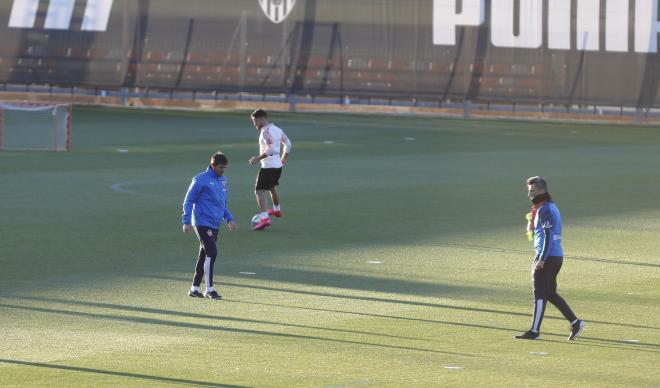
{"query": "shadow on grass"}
pixel 367 283
pixel 600 342
pixel 338 295
pixel 119 374
pixel 409 302
pixel 622 344
pixel 196 326
pixel 150 310
pixel 424 320
pixel 527 253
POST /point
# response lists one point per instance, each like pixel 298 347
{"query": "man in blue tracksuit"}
pixel 204 209
pixel 544 228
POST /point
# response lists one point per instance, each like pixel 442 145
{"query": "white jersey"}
pixel 270 138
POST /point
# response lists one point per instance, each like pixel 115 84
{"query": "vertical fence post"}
pixel 466 109
pixel 292 102
pixel 242 51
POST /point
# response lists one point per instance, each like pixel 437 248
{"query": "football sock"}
pixel 574 322
pixel 276 207
pixel 210 289
pixel 194 289
pixel 264 215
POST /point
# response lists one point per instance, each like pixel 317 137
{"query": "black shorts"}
pixel 268 178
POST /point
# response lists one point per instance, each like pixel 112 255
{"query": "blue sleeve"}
pixel 228 217
pixel 191 197
pixel 545 224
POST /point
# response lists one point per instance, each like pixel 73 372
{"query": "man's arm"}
pixel 229 218
pixel 269 148
pixel 545 223
pixel 286 143
pixel 191 197
pixel 255 159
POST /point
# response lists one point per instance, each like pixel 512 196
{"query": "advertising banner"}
pixel 552 51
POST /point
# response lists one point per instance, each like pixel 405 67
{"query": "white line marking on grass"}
pixel 122 150
pixel 409 138
pixel 539 353
pixel 119 187
pixel 247 273
pixel 634 293
pixel 632 341
pixel 374 262
pixel 328 142
pixel 455 367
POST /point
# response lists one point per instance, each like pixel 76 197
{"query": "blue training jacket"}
pixel 547 231
pixel 206 201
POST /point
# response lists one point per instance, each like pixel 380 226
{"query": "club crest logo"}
pixel 209 232
pixel 277 10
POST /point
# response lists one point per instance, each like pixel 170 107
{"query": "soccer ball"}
pixel 255 220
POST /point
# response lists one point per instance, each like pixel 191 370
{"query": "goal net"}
pixel 35 127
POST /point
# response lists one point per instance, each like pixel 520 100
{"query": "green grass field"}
pixel 401 260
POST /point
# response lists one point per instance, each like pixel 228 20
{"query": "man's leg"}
pixel 553 297
pixel 264 178
pixel 264 220
pixel 275 197
pixel 275 176
pixel 199 273
pixel 539 285
pixel 199 267
pixel 261 199
pixel 537 316
pixel 208 237
pixel 577 325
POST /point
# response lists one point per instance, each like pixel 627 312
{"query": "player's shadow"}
pixel 418 303
pixel 593 341
pixel 351 281
pixel 198 326
pixel 397 301
pixel 186 314
pixel 157 379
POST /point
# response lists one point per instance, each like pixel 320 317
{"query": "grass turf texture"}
pixel 94 269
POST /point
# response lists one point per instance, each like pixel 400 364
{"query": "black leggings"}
pixel 544 282
pixel 207 248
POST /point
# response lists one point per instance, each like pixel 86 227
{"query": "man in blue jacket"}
pixel 204 209
pixel 544 228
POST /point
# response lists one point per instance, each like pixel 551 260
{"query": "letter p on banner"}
pixel 446 18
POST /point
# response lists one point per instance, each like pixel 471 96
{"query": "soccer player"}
pixel 272 161
pixel 544 228
pixel 204 209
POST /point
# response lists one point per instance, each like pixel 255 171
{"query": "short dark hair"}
pixel 259 113
pixel 219 159
pixel 538 181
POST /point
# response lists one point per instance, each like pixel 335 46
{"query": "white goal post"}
pixel 35 126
